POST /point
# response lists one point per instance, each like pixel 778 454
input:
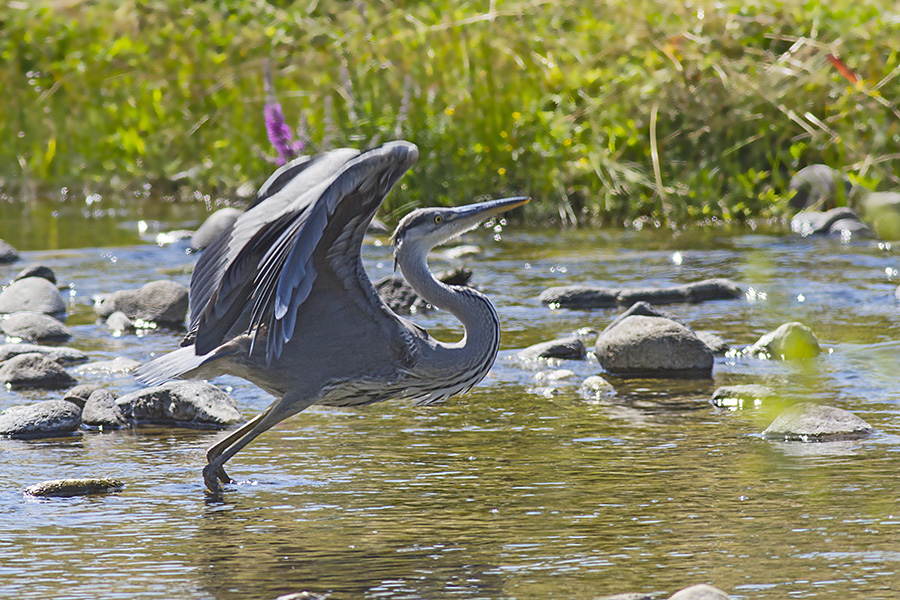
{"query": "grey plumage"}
pixel 282 299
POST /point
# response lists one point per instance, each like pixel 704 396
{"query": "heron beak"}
pixel 471 215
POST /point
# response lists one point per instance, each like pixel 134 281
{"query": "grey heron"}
pixel 282 300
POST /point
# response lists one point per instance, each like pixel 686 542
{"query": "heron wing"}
pixel 318 235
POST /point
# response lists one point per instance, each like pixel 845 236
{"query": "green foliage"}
pixel 603 112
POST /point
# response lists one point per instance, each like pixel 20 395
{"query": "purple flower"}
pixel 280 134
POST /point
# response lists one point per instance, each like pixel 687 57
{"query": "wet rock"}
pixel 79 394
pixel 644 309
pixel 34 294
pixel 35 327
pixel 595 387
pixel 587 335
pixel 717 345
pixel 213 227
pixel 163 302
pixel 402 299
pixel 63 356
pixel 816 186
pixel 37 270
pixel 742 396
pixel 640 346
pixel 554 376
pixel 564 348
pixel 580 297
pixel 65 488
pixel 120 364
pixel 34 371
pixel 51 418
pixel 626 596
pixel 8 254
pixel 700 592
pixel 463 251
pixel 791 341
pixel 882 209
pixel 181 403
pixel 119 322
pixel 834 222
pixel 808 422
pixel 101 411
pixel 167 238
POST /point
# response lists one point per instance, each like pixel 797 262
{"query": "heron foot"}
pixel 212 474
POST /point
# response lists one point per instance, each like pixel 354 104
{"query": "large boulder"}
pixel 36 270
pixel 63 356
pixel 35 327
pixel 80 393
pixel 841 222
pixel 640 346
pixel 162 302
pixel 809 422
pixel 51 418
pixel 215 224
pixel 8 254
pixel 34 294
pixel 181 403
pixel 818 187
pixel 791 341
pixel 34 371
pixel 102 412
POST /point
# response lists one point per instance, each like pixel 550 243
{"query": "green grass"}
pixel 602 112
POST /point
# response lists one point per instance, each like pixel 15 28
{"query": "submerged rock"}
pixel 34 371
pixel 213 227
pixel 809 422
pixel 580 297
pixel 65 488
pixel 564 348
pixel 34 294
pixel 595 387
pixel 51 418
pixel 742 396
pixel 640 346
pixel 37 270
pixel 8 254
pixel 181 403
pixel 163 302
pixel 101 411
pixel 791 341
pixel 60 355
pixel 700 592
pixel 35 327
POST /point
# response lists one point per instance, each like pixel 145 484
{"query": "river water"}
pixel 515 490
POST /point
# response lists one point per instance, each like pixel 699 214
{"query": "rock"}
pixel 402 299
pixel 626 596
pixel 63 356
pixel 700 592
pixel 120 364
pixel 580 297
pixel 80 393
pixel 565 348
pixel 742 396
pixel 833 221
pixel 101 411
pixel 34 294
pixel 8 254
pixel 463 251
pixel 34 371
pixel 35 327
pixel 37 270
pixel 166 238
pixel 717 345
pixel 51 418
pixel 640 346
pixel 163 302
pixel 815 186
pixel 181 403
pixel 641 308
pixel 791 341
pixel 882 209
pixel 587 335
pixel 119 322
pixel 65 488
pixel 215 224
pixel 555 376
pixel 595 387
pixel 809 422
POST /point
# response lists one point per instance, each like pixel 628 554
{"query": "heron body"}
pixel 282 299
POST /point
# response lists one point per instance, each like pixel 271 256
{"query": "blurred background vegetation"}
pixel 604 112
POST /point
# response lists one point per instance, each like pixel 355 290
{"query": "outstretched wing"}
pixel 262 272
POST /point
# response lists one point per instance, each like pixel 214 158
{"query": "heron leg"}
pixel 217 449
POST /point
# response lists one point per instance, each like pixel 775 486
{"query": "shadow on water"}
pixel 520 489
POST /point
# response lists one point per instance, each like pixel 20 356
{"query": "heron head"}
pixel 426 228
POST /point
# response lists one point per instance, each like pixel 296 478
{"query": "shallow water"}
pixel 511 491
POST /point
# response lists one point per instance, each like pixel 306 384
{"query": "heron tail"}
pixel 174 364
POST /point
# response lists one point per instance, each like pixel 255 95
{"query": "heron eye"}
pixel 438 219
